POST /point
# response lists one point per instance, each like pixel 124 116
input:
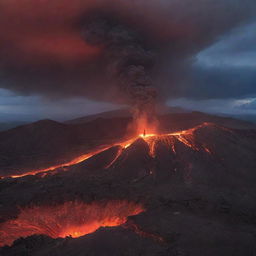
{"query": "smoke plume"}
pixel 130 62
pixel 119 51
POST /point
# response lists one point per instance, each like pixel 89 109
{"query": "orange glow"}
pixel 135 228
pixel 147 135
pixel 52 168
pixel 73 219
pixel 186 137
pixel 120 150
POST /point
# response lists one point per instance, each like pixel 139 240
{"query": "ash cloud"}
pixel 118 51
pixel 130 62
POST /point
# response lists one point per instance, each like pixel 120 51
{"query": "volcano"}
pixel 188 189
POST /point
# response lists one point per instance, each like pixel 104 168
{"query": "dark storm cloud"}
pixel 31 108
pixel 226 69
pixel 235 50
pixel 239 40
pixel 219 83
pixel 44 51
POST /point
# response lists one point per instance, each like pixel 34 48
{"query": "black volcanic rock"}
pixel 166 161
pixel 198 189
pixel 134 162
pixel 114 241
pixel 135 154
pixel 192 231
pixel 47 143
pixel 99 161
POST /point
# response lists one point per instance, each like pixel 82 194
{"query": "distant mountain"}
pixel 106 115
pixel 9 125
pixel 46 142
pixel 122 113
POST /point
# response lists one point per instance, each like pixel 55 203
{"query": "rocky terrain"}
pixel 176 193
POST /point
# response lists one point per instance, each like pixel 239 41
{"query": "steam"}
pixel 130 62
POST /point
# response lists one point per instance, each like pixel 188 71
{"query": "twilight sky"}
pixel 229 65
pixel 47 70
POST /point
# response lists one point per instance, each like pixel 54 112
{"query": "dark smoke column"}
pixel 129 62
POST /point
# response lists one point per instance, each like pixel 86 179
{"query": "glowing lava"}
pixel 186 137
pixel 73 219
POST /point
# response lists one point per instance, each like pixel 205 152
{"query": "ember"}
pixel 73 219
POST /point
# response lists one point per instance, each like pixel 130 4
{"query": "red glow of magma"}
pixel 73 219
pixel 186 137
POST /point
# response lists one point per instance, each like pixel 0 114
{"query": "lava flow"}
pixel 186 137
pixel 73 219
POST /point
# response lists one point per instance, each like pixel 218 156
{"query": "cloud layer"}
pixel 43 50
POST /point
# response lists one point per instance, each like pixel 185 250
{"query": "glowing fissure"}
pixel 75 161
pixel 73 219
pixel 120 150
pixel 185 141
pixel 186 137
pixel 137 229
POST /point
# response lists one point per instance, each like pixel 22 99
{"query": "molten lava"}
pixel 186 137
pixel 73 219
pixel 135 228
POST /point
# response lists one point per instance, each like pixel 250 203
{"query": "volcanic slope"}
pixel 191 193
pixel 46 144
